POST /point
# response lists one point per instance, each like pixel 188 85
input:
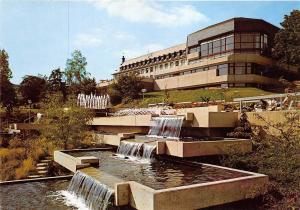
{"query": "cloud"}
pixel 151 12
pixel 89 39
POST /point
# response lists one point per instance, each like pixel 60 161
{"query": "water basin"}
pixel 160 174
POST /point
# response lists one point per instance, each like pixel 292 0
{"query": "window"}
pixel 229 42
pixel 182 62
pixel 204 49
pixel 151 69
pixel 216 46
pixel 249 68
pixel 247 41
pixel 160 66
pixel 166 65
pixel 176 63
pixel 222 70
pixel 147 70
pixel 171 64
pixel 240 68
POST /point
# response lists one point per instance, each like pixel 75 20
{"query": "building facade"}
pixel 233 53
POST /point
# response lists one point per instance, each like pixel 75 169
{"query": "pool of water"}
pixel 42 195
pixel 159 174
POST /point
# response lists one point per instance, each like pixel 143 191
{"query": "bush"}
pixel 27 166
pixel 276 153
pixel 125 89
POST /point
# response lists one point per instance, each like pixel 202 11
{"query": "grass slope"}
pixel 195 95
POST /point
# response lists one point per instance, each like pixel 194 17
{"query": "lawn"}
pixel 195 95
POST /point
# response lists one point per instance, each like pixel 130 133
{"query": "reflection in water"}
pixel 33 195
pixel 159 174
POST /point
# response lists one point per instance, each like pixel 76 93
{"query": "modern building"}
pixel 233 53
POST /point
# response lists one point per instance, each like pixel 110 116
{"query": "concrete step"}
pixel 42 172
pixel 45 161
pixel 41 168
pixel 34 176
pixel 41 164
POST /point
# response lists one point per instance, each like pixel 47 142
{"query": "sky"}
pixel 40 35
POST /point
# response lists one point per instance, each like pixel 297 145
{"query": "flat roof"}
pixel 155 54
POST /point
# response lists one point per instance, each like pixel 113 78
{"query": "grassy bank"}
pixel 175 96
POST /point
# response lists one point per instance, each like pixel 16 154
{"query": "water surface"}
pixel 159 174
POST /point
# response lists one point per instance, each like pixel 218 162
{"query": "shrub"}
pixel 27 165
pixel 126 89
pixel 276 151
pixel 15 142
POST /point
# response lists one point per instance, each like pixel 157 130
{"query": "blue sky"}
pixel 35 33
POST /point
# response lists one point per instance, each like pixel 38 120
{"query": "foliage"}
pixel 276 151
pixel 26 166
pixel 126 88
pixel 56 82
pixel 75 71
pixel 243 130
pixel 287 40
pixel 88 85
pixel 8 98
pixel 33 88
pixel 65 122
pixel 4 66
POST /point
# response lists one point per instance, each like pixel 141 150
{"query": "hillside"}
pixel 176 96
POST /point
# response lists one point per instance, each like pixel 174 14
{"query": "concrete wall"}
pixel 192 196
pixel 74 163
pixel 210 77
pixel 204 148
pixel 271 117
pixel 204 117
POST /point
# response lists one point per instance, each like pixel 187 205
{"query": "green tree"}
pixel 88 85
pixel 287 40
pixel 126 88
pixel 56 82
pixel 33 88
pixel 8 98
pixel 76 71
pixel 65 123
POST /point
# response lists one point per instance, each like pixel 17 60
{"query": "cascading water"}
pixel 166 126
pixel 130 149
pixel 96 195
pixel 135 149
pixel 148 151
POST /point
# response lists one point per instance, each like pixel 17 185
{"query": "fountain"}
pixel 166 126
pixel 93 101
pixel 95 194
pixel 136 150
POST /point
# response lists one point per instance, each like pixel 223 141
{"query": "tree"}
pixel 287 40
pixel 126 88
pixel 76 71
pixel 88 85
pixel 8 96
pixel 65 123
pixel 56 82
pixel 33 88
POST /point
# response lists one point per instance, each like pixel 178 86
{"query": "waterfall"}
pixel 130 149
pixel 137 150
pixel 148 150
pixel 166 126
pixel 96 195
